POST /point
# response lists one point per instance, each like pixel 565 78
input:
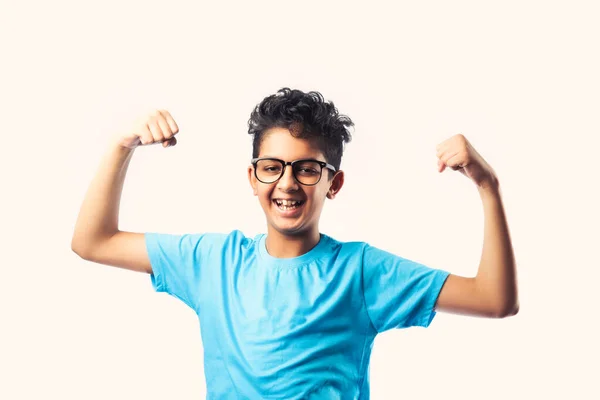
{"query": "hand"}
pixel 458 154
pixel 157 127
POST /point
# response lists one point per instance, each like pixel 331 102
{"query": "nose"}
pixel 287 182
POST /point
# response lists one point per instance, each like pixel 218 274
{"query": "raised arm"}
pixel 493 291
pixel 97 236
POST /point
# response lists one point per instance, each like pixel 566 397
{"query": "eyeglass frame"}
pixel 323 164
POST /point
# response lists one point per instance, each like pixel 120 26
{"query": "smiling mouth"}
pixel 287 205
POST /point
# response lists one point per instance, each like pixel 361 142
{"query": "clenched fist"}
pixel 458 154
pixel 157 127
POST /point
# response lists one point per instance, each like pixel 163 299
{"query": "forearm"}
pixel 496 278
pixel 99 214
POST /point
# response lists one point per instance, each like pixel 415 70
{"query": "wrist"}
pixel 489 188
pixel 118 149
pixel 116 153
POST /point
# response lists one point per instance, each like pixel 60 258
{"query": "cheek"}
pixel 321 193
pixel 317 197
pixel 263 193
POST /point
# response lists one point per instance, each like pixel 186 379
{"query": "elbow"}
pixel 514 310
pixel 79 249
pixel 87 248
pixel 507 310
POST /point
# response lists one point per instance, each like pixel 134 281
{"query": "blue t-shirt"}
pixel 295 328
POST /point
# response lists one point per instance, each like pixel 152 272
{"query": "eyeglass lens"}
pixel 306 172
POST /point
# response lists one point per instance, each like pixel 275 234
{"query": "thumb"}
pixel 169 142
pixel 441 166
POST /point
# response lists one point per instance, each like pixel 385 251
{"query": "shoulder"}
pixel 352 245
pixel 234 239
pixel 186 242
pixel 237 240
pixel 352 249
pixel 367 253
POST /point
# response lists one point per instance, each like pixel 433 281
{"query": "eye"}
pixel 268 166
pixel 308 168
pixel 307 171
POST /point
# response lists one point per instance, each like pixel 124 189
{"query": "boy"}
pixel 293 314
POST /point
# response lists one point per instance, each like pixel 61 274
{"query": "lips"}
pixel 288 207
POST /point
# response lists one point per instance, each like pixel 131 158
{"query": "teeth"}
pixel 287 204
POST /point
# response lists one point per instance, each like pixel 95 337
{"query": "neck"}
pixel 285 246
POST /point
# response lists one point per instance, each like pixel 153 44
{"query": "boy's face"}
pixel 303 219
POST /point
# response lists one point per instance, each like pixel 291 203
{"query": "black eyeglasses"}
pixel 306 171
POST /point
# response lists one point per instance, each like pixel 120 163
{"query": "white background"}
pixel 519 79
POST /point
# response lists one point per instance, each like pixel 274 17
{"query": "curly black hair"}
pixel 306 115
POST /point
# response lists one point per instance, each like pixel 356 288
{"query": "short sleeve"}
pixel 177 262
pixel 399 293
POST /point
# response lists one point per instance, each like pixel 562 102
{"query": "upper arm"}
pixel 398 292
pixel 460 295
pixel 124 250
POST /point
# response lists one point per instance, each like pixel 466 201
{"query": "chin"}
pixel 289 230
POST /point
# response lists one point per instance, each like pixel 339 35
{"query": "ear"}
pixel 336 184
pixel 252 179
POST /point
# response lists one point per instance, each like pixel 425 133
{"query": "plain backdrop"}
pixel 518 78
